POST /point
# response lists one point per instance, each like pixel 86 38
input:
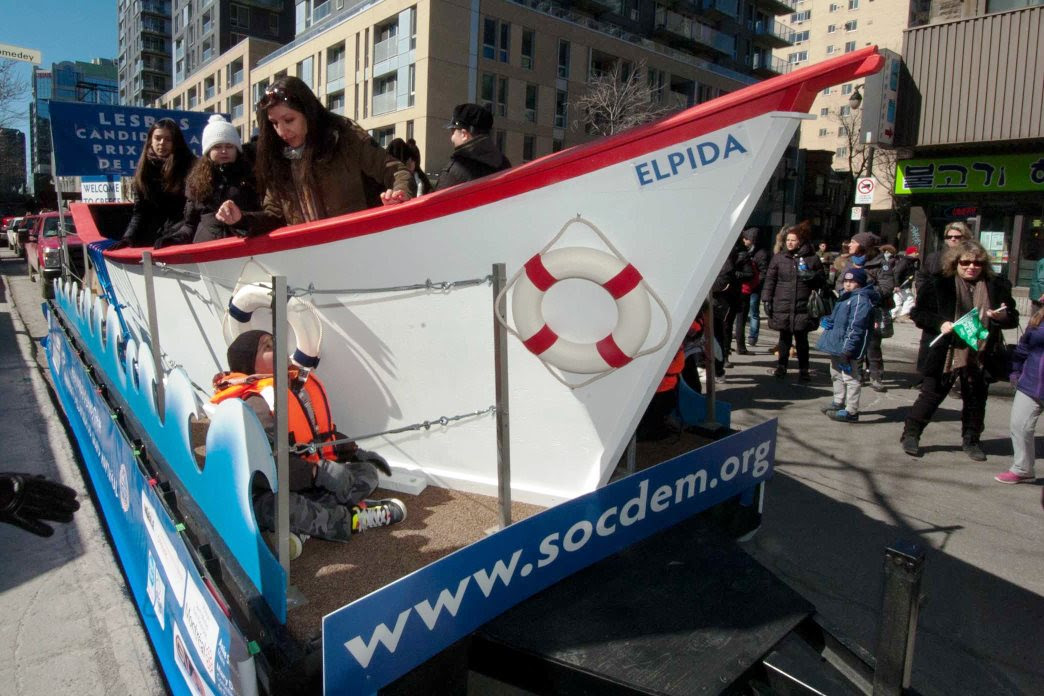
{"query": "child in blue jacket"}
pixel 845 339
pixel 1027 374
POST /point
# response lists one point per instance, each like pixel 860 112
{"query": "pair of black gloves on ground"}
pixel 26 499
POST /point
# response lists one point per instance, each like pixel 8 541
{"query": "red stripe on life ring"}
pixel 538 274
pixel 541 340
pixel 611 353
pixel 623 282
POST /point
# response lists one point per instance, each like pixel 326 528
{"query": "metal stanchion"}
pixel 282 420
pixel 154 335
pixel 500 360
pixel 904 568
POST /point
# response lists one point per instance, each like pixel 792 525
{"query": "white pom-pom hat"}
pixel 218 131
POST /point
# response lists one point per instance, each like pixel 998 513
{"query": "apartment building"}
pixel 398 67
pixel 203 30
pixel 143 59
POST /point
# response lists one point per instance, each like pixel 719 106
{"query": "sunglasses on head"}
pixel 971 262
pixel 272 96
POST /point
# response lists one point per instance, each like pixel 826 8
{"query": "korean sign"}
pixel 92 139
pixel 983 174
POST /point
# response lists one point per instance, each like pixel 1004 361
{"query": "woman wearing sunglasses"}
pixel 159 185
pixel 965 283
pixel 314 164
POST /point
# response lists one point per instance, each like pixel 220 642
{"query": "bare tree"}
pixel 616 100
pixel 13 91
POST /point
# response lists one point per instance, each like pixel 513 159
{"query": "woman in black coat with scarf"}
pixel 966 282
pixel 159 185
pixel 792 275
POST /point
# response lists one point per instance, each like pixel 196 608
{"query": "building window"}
pixel 834 8
pixel 487 91
pixel 531 103
pixel 853 4
pixel 528 48
pixel 561 108
pixel 846 88
pixel 842 131
pixel 208 50
pixel 801 36
pixel 823 132
pixel 305 72
pixel 802 16
pixel 385 43
pixel 528 147
pixel 557 145
pixel 849 46
pixel 841 152
pixel 496 39
pixel 384 99
pixel 828 90
pixel 845 110
pixel 831 50
pixel 502 92
pixel 335 63
pixel 412 76
pixel 563 58
pixel 797 57
pixel 384 136
pixel 335 102
pixel 851 25
pixel 238 16
pixel 409 130
pixel 824 111
pixel 831 28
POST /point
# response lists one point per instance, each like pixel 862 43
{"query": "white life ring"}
pixel 301 316
pixel 619 278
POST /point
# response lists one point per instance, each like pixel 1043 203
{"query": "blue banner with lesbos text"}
pixel 94 139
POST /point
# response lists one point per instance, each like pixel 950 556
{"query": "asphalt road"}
pixel 842 494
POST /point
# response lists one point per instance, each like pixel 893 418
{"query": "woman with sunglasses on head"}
pixel 965 283
pixel 313 164
pixel 159 185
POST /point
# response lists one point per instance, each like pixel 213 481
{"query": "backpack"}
pixel 747 287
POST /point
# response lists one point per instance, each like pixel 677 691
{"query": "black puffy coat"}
pixel 937 303
pixel 787 289
pixel 474 159
pixel 233 181
pixel 157 212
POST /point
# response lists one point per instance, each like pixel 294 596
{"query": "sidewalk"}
pixel 67 624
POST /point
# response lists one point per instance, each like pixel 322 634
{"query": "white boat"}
pixel 666 200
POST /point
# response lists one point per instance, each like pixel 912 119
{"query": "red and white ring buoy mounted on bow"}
pixel 300 315
pixel 620 279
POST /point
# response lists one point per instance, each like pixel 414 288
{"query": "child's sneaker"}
pixel 1012 477
pixel 843 416
pixel 377 513
pixel 831 407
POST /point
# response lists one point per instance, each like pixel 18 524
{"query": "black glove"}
pixel 26 499
pixel 768 308
pixel 344 451
pixel 377 460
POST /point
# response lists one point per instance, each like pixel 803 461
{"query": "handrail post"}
pixel 710 420
pixel 500 362
pixel 280 379
pixel 903 571
pixel 154 334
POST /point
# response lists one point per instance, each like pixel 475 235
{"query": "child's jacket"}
pixel 846 329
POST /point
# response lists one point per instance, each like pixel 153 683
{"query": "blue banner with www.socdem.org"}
pixel 92 139
pixel 373 641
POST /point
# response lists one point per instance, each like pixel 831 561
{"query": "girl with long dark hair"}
pixel 159 185
pixel 312 163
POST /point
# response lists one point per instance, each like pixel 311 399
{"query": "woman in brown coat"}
pixel 313 164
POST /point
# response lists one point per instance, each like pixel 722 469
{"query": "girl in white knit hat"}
pixel 221 174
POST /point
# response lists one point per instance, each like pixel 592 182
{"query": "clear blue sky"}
pixel 61 30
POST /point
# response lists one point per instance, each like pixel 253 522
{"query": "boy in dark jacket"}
pixel 845 339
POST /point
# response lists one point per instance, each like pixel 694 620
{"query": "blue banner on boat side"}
pixel 201 651
pixel 92 139
pixel 373 641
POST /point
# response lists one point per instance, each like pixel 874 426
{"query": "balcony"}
pixel 237 110
pixel 236 78
pixel 208 92
pixel 384 103
pixel 776 7
pixel 765 65
pixel 389 48
pixel 719 9
pixel 679 30
pixel 771 33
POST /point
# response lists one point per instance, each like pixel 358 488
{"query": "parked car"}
pixel 20 234
pixel 7 233
pixel 43 251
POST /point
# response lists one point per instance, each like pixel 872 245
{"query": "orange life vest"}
pixel 304 428
pixel 670 380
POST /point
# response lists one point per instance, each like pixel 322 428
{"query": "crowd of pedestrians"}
pixel 854 296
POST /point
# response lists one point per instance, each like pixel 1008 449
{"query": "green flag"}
pixel 970 329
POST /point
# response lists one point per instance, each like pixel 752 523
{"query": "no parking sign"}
pixel 864 190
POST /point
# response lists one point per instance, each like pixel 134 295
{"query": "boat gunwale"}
pixel 793 92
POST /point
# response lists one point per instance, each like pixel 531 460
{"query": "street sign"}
pixel 864 194
pixel 28 55
pixel 857 212
pixel 101 189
